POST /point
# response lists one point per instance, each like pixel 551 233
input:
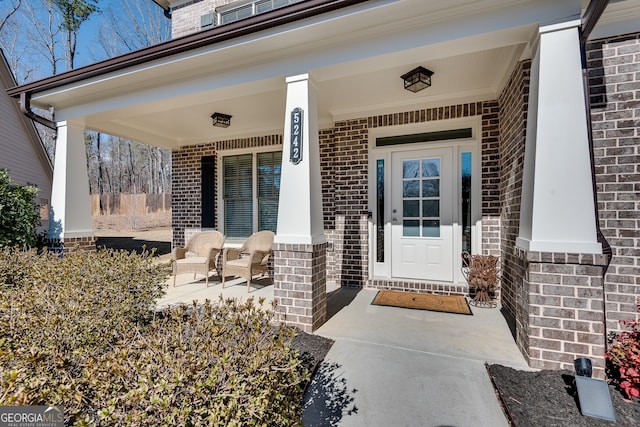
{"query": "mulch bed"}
pixel 135 245
pixel 549 398
pixel 311 348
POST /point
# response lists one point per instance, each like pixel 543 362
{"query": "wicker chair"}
pixel 252 258
pixel 199 256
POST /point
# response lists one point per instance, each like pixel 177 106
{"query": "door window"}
pixel 421 198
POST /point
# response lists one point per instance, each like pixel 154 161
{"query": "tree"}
pixel 13 8
pixel 18 213
pixel 133 25
pixel 40 40
pixel 74 14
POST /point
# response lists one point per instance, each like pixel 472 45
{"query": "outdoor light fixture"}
pixel 417 79
pixel 221 120
pixel 593 394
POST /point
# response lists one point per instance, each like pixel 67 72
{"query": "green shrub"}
pixel 80 331
pixel 18 213
pixel 220 365
pixel 58 313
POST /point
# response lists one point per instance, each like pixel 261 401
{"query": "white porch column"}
pixel 300 245
pixel 300 217
pixel 557 211
pixel 70 217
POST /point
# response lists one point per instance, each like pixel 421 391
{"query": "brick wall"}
pixel 490 178
pixel 513 124
pixel 350 182
pixel 185 17
pixel 327 167
pixel 300 284
pixel 186 189
pixel 84 244
pixel 565 310
pixel 614 79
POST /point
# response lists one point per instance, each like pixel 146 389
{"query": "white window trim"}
pixel 254 151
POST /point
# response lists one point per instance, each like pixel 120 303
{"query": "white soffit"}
pixel 620 17
pixel 355 58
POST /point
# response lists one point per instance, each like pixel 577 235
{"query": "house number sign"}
pixel 296 136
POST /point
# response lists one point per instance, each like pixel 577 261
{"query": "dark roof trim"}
pixel 165 7
pixel 164 4
pixel 594 11
pixel 256 23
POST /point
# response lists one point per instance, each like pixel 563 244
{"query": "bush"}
pixel 210 365
pixel 624 354
pixel 58 313
pixel 80 331
pixel 18 213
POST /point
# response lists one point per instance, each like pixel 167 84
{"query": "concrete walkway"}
pixel 401 367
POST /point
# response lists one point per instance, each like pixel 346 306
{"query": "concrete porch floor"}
pixel 188 289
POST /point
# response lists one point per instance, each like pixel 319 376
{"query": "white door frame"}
pixel 382 270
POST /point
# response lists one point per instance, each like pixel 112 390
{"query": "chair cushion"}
pixel 242 262
pixel 193 260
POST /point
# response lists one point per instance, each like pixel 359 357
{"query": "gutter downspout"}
pixel 590 19
pixel 25 107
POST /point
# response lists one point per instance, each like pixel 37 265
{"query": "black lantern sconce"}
pixel 417 79
pixel 221 120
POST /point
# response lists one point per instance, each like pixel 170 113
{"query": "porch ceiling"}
pixel 356 60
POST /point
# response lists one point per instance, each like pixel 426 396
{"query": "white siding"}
pixel 21 151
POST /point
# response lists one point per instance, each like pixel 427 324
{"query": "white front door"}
pixel 422 210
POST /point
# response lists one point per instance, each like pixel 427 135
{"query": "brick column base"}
pixel 565 310
pixel 85 244
pixel 300 284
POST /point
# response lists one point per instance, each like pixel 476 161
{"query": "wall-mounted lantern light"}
pixel 417 79
pixel 221 120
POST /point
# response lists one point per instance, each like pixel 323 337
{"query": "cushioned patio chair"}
pixel 199 256
pixel 252 258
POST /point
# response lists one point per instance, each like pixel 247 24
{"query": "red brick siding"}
pixel 614 79
pixel 490 178
pixel 513 124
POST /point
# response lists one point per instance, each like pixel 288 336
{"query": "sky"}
pixel 26 44
pixel 88 34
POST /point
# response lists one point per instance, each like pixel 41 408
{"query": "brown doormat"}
pixel 444 303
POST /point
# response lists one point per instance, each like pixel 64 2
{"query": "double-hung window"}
pixel 251 187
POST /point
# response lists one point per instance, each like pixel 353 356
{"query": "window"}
pixel 465 192
pixel 237 14
pixel 253 8
pixel 251 188
pixel 380 210
pixel 421 198
pixel 207 21
pixel 269 171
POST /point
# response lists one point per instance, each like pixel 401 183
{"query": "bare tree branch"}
pixel 14 8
